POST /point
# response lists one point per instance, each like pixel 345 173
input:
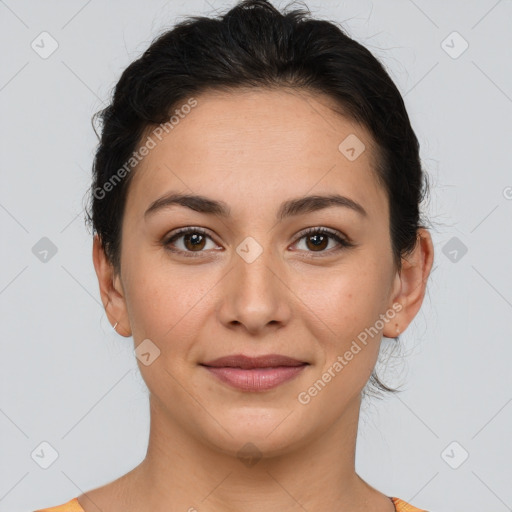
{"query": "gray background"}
pixel 69 380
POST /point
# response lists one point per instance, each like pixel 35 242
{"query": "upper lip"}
pixel 246 362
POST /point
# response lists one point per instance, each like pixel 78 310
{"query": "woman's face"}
pixel 254 283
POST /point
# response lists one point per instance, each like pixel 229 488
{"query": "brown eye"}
pixel 317 241
pixel 188 241
pixel 194 241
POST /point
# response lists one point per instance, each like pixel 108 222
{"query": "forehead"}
pixel 260 145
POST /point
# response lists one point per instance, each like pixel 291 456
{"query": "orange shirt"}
pixel 74 506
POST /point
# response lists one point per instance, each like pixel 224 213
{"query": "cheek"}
pixel 342 309
pixel 165 302
pixel 166 307
pixel 344 301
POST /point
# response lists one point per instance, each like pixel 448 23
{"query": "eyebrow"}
pixel 289 208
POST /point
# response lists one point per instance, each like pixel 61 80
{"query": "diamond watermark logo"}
pixel 44 455
pixel 454 249
pixel 146 352
pixel 249 455
pixel 44 45
pixel 454 45
pixel 249 249
pixel 44 249
pixel 351 147
pixel 454 455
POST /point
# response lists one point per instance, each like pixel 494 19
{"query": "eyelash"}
pixel 334 235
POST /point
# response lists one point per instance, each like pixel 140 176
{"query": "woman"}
pixel 256 208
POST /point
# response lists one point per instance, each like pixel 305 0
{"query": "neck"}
pixel 183 472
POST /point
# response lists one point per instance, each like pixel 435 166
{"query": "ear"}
pixel 410 284
pixel 111 291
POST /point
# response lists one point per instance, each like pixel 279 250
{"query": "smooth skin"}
pixel 254 149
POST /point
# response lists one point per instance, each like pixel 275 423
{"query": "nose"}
pixel 255 296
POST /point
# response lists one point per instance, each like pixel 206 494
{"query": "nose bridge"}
pixel 255 296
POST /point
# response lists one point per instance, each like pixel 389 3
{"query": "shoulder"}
pixel 402 506
pixel 70 506
pixel 74 506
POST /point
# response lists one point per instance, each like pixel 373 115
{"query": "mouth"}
pixel 255 373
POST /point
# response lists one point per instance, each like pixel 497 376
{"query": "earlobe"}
pixel 412 284
pixel 111 298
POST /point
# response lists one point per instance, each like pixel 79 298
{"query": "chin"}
pixel 257 432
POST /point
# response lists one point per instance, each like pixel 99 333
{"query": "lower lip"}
pixel 256 379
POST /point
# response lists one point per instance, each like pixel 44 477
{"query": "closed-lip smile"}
pixel 255 373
